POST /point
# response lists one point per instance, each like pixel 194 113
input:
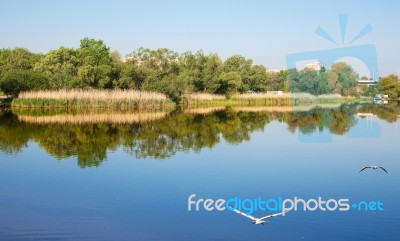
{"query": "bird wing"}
pixel 364 169
pixel 272 215
pixel 244 214
pixel 381 167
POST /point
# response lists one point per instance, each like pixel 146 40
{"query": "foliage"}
pixel 390 85
pixel 16 59
pixel 16 81
pixel 94 66
pixel 60 66
pixel 339 79
pixel 230 82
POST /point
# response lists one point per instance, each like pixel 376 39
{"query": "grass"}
pixel 132 99
pixel 71 99
pixel 266 99
pixel 203 96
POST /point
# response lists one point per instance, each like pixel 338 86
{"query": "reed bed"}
pixel 264 99
pixel 92 98
pixel 267 96
pixel 92 95
pixel 203 96
pixel 261 95
pixel 112 118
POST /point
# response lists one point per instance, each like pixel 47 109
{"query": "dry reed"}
pixel 94 118
pixel 92 95
pixel 203 96
pixel 92 98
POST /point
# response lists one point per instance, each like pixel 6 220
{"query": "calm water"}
pixel 127 176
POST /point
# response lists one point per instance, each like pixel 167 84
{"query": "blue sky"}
pixel 265 31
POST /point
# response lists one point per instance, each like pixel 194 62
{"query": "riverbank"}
pixel 130 99
pixel 108 99
pixel 5 101
pixel 266 99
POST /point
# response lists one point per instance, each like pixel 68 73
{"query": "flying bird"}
pixel 257 220
pixel 373 168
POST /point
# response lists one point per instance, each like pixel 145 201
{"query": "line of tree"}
pixel 389 85
pixel 339 79
pixel 93 65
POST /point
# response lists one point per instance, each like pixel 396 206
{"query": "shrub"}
pixel 16 81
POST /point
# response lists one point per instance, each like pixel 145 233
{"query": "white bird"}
pixel 257 220
pixel 374 168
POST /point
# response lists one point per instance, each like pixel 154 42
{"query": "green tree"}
pixel 342 79
pixel 257 80
pixel 131 77
pixel 239 64
pixel 322 86
pixel 278 80
pixel 158 70
pixel 294 81
pixel 192 65
pixel 60 66
pixel 16 81
pixel 390 85
pixel 18 58
pixel 309 81
pixel 212 70
pixel 95 64
pixel 230 83
pixel 372 90
pixel 234 63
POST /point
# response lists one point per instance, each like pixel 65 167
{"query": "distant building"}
pixel 367 82
pixel 315 66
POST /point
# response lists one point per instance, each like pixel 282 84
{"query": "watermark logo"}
pixel 366 53
pixel 251 205
pixel 317 78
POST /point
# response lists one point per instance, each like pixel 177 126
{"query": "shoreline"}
pixel 125 100
pixel 265 99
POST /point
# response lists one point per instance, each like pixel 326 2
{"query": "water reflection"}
pixel 89 136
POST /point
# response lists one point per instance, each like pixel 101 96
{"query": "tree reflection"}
pixel 176 132
pixel 389 112
pixel 13 134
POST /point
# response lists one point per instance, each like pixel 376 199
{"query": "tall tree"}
pixel 230 83
pixel 342 78
pixel 192 65
pixel 258 79
pixel 15 81
pixel 390 85
pixel 95 64
pixel 239 64
pixel 211 72
pixel 17 59
pixel 60 66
